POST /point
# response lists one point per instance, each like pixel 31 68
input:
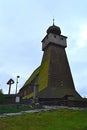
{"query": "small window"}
pixel 55 36
pixel 61 38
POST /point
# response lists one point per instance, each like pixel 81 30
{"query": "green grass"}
pixel 13 109
pixel 50 120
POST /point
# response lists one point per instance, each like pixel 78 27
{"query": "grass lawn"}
pixel 13 109
pixel 62 119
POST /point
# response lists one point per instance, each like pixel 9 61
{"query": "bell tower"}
pixel 60 82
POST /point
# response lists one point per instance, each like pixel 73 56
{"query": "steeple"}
pixel 54 75
pixel 60 82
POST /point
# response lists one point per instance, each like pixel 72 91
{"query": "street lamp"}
pixel 17 83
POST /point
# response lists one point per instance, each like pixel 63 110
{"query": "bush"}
pixel 1 96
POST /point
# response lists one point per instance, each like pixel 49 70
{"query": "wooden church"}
pixel 52 80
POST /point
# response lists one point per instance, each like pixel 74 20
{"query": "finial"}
pixel 53 21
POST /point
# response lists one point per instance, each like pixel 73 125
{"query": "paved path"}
pixel 45 108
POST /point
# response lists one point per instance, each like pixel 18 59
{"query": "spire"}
pixel 53 21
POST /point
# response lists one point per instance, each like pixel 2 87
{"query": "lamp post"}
pixel 17 83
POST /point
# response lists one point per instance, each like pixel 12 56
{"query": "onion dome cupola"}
pixel 54 29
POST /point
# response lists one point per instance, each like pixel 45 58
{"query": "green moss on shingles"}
pixel 42 78
pixel 28 96
pixel 43 74
pixel 32 76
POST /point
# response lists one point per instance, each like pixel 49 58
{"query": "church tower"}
pixel 60 82
pixel 53 76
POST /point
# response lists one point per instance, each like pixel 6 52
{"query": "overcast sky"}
pixel 23 24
